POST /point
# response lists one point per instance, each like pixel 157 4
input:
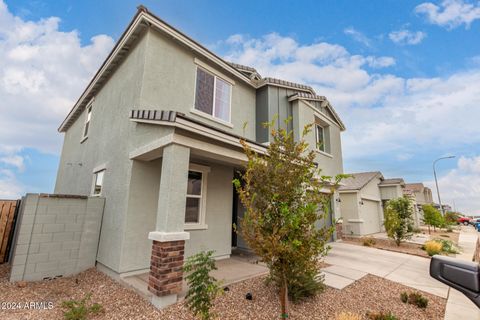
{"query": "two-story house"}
pixel 156 132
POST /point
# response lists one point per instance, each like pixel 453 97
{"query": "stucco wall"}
pixel 56 236
pixel 107 145
pixel 391 192
pixel 332 163
pixel 169 84
pixel 218 217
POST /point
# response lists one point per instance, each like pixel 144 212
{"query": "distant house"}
pixel 156 133
pixel 362 201
pixel 421 194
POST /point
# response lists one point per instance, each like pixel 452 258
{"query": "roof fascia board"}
pixel 263 84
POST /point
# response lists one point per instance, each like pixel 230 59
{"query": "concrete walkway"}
pixel 351 262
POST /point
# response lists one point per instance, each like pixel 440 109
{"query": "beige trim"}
pixel 323 153
pixel 212 118
pixel 168 236
pixel 370 198
pixel 200 225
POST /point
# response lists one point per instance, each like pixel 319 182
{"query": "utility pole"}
pixel 436 182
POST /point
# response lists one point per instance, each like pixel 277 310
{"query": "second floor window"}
pixel 87 121
pixel 320 137
pixel 98 183
pixel 212 95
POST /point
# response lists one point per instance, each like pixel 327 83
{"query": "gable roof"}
pixel 323 100
pixel 415 187
pixel 142 21
pixel 359 180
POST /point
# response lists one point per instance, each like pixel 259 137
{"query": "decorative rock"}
pixel 21 284
pixel 249 296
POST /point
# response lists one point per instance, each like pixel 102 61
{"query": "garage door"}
pixel 370 216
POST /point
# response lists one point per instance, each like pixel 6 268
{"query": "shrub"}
pixel 202 288
pixel 416 230
pixel 348 316
pixel 381 316
pixel 404 297
pixel 449 228
pixel 399 219
pixel 447 246
pixel 81 310
pixel 304 284
pixel 433 247
pixel 418 300
pixel 368 241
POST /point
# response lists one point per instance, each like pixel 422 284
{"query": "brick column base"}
pixel 166 265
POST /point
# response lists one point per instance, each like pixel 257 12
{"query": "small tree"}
pixel 432 217
pixel 284 196
pixel 202 288
pixel 399 219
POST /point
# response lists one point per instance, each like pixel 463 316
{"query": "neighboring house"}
pixel 421 194
pixel 156 132
pixel 363 197
pixel 361 203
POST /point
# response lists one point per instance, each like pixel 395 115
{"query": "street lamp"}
pixel 436 182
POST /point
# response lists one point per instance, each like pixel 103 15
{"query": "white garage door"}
pixel 370 216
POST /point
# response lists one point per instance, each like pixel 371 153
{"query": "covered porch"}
pixel 181 201
pixel 234 269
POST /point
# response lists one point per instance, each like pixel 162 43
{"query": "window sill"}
pixel 324 153
pixel 84 139
pixel 212 118
pixel 195 227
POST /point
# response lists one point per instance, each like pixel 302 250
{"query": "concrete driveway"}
pixel 350 262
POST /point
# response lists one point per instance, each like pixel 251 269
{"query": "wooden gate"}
pixel 8 215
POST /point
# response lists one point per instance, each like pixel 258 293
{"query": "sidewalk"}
pixel 458 306
pixel 409 270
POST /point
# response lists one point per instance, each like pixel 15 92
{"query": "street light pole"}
pixel 436 182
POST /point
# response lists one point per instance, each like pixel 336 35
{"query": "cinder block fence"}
pixel 56 235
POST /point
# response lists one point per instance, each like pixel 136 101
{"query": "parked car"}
pixel 474 222
pixel 464 220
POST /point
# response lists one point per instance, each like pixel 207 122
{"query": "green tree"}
pixel 451 217
pixel 202 288
pixel 399 219
pixel 284 195
pixel 432 217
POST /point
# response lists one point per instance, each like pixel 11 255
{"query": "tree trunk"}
pixel 284 298
pixel 428 229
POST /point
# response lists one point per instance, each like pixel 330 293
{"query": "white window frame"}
pixel 215 77
pixel 204 170
pixel 317 143
pixel 88 110
pixel 96 171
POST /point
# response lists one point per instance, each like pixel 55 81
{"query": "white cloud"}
pixel 10 188
pixel 405 36
pixel 450 13
pixel 16 161
pixel 461 185
pixel 42 72
pixel 385 115
pixel 358 36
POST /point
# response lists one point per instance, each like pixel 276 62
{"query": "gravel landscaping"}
pixel 369 294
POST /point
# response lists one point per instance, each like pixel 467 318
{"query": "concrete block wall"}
pixel 56 235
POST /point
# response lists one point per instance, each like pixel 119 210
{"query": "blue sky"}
pixel 404 76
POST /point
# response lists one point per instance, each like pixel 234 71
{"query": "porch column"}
pixel 165 280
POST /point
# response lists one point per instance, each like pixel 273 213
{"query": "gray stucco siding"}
pixel 107 144
pixel 169 84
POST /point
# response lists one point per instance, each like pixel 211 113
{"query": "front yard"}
pixel 413 246
pixel 369 294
